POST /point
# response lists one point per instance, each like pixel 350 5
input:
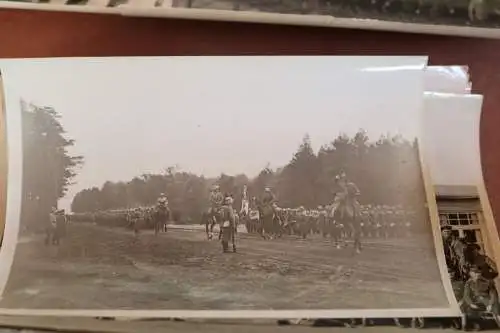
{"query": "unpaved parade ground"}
pixel 103 268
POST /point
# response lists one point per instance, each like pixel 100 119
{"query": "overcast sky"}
pixel 212 115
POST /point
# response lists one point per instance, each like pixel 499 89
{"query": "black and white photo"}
pixel 470 18
pixel 235 184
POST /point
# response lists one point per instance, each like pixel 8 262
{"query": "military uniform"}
pixel 268 198
pixel 228 216
pixel 135 218
pixel 50 230
pixel 480 294
pixel 323 221
pixel 486 266
pixel 216 200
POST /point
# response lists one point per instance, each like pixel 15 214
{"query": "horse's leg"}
pixel 136 229
pixel 206 221
pixel 47 236
pixel 274 227
pixel 279 228
pixel 233 238
pixel 265 228
pixel 211 222
pixel 357 236
pixel 55 239
pixel 270 227
pixel 260 228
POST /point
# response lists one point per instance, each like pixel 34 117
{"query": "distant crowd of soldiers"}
pixel 131 218
pixel 375 221
pixel 137 218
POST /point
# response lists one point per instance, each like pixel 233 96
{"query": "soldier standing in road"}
pixel 228 231
pixel 349 208
pixel 51 227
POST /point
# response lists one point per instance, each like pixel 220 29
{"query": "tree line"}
pixel 387 171
pixel 48 167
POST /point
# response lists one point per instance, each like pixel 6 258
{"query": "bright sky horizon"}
pixel 213 115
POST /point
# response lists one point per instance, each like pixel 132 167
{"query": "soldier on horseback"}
pixel 228 224
pixel 161 214
pixel 269 213
pixel 216 199
pixel 346 206
pixel 268 198
pixel 162 200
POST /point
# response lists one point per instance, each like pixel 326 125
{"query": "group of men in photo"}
pixel 472 276
pixel 471 272
pixel 342 219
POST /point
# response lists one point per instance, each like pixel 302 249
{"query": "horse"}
pixel 267 220
pixel 346 212
pixel 236 222
pixel 161 216
pixel 210 219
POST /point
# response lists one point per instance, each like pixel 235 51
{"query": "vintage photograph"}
pixel 468 249
pixel 464 13
pixel 101 3
pixel 221 183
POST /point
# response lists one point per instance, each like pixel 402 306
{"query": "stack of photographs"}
pixel 248 189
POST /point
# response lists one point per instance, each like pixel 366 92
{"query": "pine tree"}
pixel 48 168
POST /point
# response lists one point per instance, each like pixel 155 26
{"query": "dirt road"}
pixel 99 268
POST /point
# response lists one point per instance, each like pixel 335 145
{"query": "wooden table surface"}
pixel 51 34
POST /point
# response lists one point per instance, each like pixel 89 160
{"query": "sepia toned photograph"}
pixel 100 3
pixel 221 183
pixel 469 13
pixel 451 13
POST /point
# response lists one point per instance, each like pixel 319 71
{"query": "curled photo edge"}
pixel 432 210
pixel 11 156
pixel 3 163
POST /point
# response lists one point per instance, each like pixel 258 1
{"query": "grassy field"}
pixel 100 268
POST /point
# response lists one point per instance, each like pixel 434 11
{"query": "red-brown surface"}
pixel 50 34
